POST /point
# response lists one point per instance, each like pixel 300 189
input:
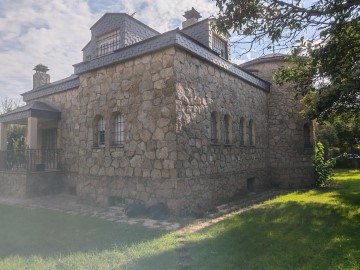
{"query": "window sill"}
pixel 117 146
pixel 98 147
pixel 215 144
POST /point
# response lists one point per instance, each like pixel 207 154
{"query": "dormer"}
pixel 114 31
pixel 205 32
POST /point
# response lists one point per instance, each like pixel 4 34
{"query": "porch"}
pixel 34 169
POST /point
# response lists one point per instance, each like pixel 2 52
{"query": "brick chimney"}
pixel 40 77
pixel 192 16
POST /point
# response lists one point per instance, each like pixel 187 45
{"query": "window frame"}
pixel 214 127
pixel 227 129
pixel 242 130
pixel 108 43
pixel 118 129
pixel 219 45
pixel 99 127
pixel 251 132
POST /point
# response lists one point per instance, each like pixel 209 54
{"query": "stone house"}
pixel 158 118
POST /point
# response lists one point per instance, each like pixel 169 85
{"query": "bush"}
pixel 324 175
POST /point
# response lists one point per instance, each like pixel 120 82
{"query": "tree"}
pixel 340 135
pixel 15 133
pixel 325 40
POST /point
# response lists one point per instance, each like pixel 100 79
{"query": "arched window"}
pixel 118 129
pixel 227 129
pixel 99 131
pixel 251 132
pixel 214 126
pixel 242 131
pixel 307 136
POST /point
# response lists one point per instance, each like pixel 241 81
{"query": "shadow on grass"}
pixel 281 236
pixel 350 193
pixel 44 233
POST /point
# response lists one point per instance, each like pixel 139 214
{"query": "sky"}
pixel 54 32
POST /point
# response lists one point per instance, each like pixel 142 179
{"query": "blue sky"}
pixel 54 32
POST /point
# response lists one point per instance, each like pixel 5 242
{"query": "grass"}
pixel 316 229
pixel 44 239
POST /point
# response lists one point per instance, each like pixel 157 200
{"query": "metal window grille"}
pixel 101 132
pixel 219 46
pixel 213 125
pixel 118 130
pixel 108 43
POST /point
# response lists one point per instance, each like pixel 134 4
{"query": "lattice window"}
pixel 100 131
pixel 214 127
pixel 219 46
pixel 118 133
pixel 108 43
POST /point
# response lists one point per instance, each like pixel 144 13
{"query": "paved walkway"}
pixel 71 205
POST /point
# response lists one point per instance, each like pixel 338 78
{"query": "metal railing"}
pixel 29 159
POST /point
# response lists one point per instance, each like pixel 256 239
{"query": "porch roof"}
pixel 36 109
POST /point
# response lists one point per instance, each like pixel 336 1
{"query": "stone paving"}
pixel 71 205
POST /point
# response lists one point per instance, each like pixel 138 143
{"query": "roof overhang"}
pixel 36 109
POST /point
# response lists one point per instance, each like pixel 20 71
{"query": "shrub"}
pixel 323 169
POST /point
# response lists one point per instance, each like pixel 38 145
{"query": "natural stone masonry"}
pixel 195 128
pixel 289 161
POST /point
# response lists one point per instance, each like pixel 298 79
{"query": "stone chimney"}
pixel 192 17
pixel 40 77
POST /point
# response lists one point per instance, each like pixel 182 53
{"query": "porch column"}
pixel 3 137
pixel 32 133
pixel 3 146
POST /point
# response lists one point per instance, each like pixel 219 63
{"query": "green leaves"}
pixel 325 67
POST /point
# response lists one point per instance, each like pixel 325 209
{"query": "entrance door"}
pixel 49 138
pixel 48 149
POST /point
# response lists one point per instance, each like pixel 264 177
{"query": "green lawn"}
pixel 301 230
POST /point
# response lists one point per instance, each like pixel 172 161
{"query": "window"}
pixel 214 127
pixel 219 45
pixel 242 131
pixel 251 133
pixel 108 43
pixel 227 129
pixel 118 129
pixel 99 131
pixel 307 136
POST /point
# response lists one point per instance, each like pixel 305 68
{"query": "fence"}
pixel 29 159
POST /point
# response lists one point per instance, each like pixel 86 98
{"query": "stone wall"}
pixel 211 172
pixel 143 91
pixel 13 184
pixel 68 132
pixel 29 184
pixel 289 161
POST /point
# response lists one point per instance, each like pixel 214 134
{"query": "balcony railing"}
pixel 29 159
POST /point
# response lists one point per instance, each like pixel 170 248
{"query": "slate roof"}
pixel 52 88
pixel 35 109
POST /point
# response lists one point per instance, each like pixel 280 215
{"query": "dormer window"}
pixel 108 43
pixel 219 46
